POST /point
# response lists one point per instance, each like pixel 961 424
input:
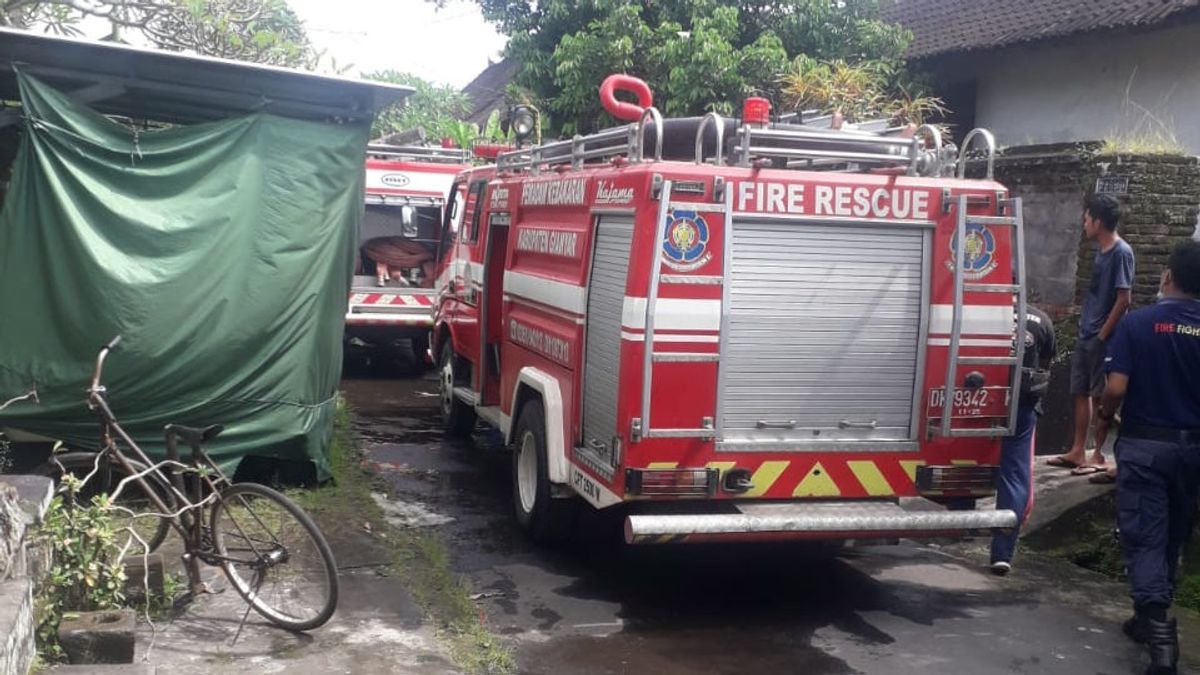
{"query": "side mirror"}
pixel 408 222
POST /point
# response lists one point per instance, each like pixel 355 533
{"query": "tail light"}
pixel 956 481
pixel 671 482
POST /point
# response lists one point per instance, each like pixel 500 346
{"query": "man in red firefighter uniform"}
pixel 1153 365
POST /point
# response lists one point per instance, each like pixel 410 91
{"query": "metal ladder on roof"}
pixel 1014 223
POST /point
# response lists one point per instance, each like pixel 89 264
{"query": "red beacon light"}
pixel 756 110
pixel 490 150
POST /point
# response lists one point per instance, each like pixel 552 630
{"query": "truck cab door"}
pixel 449 277
pixel 466 275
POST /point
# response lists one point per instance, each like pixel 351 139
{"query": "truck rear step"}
pixel 913 517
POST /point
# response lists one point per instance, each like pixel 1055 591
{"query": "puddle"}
pixel 408 514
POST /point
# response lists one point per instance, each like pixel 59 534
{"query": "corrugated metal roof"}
pixel 941 26
pixel 180 88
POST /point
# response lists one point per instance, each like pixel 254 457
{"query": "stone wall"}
pixel 23 502
pixel 1052 181
pixel 1160 196
pixel 1158 211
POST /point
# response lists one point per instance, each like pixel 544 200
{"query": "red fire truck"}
pixel 738 329
pixel 393 296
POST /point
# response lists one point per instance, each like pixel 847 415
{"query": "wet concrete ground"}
pixel 598 606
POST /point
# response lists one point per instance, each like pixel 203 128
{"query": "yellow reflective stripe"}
pixel 964 462
pixel 871 478
pixel 817 484
pixel 765 476
pixel 662 465
pixel 910 467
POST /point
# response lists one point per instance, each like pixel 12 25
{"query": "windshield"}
pixel 387 221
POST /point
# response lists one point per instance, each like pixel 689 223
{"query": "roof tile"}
pixel 941 26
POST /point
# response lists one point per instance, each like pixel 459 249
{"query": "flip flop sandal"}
pixel 1062 463
pixel 1087 470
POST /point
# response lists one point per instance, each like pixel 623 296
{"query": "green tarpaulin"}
pixel 221 252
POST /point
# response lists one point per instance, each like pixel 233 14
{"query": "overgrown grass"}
pixel 1142 144
pixel 1147 130
pixel 419 560
pixel 1085 536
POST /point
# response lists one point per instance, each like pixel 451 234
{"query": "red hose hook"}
pixel 627 112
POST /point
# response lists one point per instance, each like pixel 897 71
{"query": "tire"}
pixel 276 544
pixel 152 530
pixel 545 519
pixel 458 418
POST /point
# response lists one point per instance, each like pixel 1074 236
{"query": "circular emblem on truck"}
pixel 685 246
pixel 979 251
pixel 394 180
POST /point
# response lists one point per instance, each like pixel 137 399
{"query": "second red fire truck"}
pixel 738 329
pixel 393 296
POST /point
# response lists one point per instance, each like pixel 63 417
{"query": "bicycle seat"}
pixel 194 436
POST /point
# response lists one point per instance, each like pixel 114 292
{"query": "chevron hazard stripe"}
pixel 825 478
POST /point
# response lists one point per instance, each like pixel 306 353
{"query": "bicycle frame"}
pixel 189 525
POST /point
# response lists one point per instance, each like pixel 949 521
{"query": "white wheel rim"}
pixel 447 387
pixel 527 472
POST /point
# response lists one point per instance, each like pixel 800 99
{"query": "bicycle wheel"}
pixel 275 556
pixel 136 506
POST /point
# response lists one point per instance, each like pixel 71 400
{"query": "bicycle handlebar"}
pixel 112 344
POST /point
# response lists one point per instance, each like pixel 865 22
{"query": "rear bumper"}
pixel 400 307
pixel 832 520
pixel 418 319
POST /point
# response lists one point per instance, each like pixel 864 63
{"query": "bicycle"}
pixel 259 537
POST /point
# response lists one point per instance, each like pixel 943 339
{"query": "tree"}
pixel 263 31
pixel 697 55
pixel 434 108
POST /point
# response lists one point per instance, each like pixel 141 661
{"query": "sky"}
pixel 447 46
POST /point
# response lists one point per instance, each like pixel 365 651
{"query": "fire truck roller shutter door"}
pixel 823 332
pixel 605 306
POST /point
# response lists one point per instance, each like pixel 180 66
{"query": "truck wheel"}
pixel 458 418
pixel 545 519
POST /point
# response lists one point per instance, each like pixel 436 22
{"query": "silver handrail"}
pixel 917 153
pixel 448 155
pixel 719 122
pixel 926 153
pixel 991 152
pixel 656 117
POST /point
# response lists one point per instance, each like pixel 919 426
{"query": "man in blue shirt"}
pixel 1106 301
pixel 1153 367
